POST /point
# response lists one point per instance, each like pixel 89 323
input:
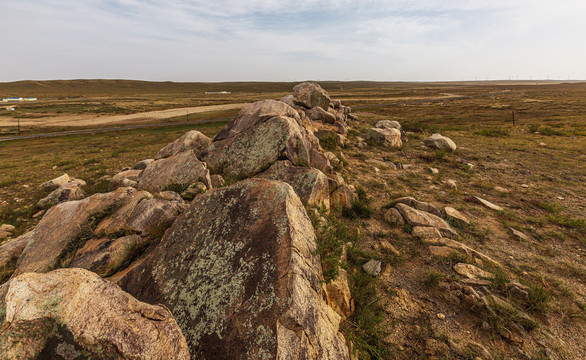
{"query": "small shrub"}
pixel 432 278
pixel 538 298
pixel 500 282
pixel 328 142
pixel 359 209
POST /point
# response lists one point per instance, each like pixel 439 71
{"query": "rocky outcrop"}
pixel 441 142
pixel 180 170
pixel 192 140
pixel 73 313
pixel 311 185
pixel 10 251
pixel 386 137
pixel 238 270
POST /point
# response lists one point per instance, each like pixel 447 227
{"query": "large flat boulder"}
pixel 63 228
pixel 416 217
pixel 73 314
pixel 419 205
pixel 311 95
pixel 192 140
pixel 311 185
pixel 181 170
pixel 239 272
pixel 254 114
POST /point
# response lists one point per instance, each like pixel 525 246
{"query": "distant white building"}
pixel 30 99
pixel 217 92
pixel 12 99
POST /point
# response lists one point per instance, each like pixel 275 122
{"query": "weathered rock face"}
pixel 182 169
pixel 255 150
pixel 9 253
pixel 311 185
pixel 128 178
pixel 73 313
pixel 106 256
pixel 68 191
pixel 438 141
pixel 239 273
pixel 254 114
pixel 343 197
pixel 387 137
pixel 392 124
pixel 61 227
pixel 338 295
pixel 192 140
pixel 311 95
pixel 416 217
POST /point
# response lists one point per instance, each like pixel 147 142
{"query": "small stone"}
pixel 485 326
pixel 501 190
pixel 372 267
pixel 542 144
pixel 452 184
pixel 471 271
pixel 485 203
pixel 441 316
pixel 451 213
pixel 524 185
pixel 39 214
pixel 376 170
pixel 519 235
pixel 470 165
pixel 434 171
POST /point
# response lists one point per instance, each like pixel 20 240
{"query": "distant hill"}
pixel 61 88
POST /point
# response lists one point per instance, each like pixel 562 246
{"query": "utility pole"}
pixel 513 118
pixel 18 126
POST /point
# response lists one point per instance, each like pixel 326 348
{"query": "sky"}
pixel 287 40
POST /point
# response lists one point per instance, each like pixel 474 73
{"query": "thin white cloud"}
pixel 192 40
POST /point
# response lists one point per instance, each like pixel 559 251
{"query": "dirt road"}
pixel 92 120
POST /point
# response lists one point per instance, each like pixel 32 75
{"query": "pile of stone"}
pixel 234 267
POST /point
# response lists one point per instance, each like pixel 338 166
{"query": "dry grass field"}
pixel 540 160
